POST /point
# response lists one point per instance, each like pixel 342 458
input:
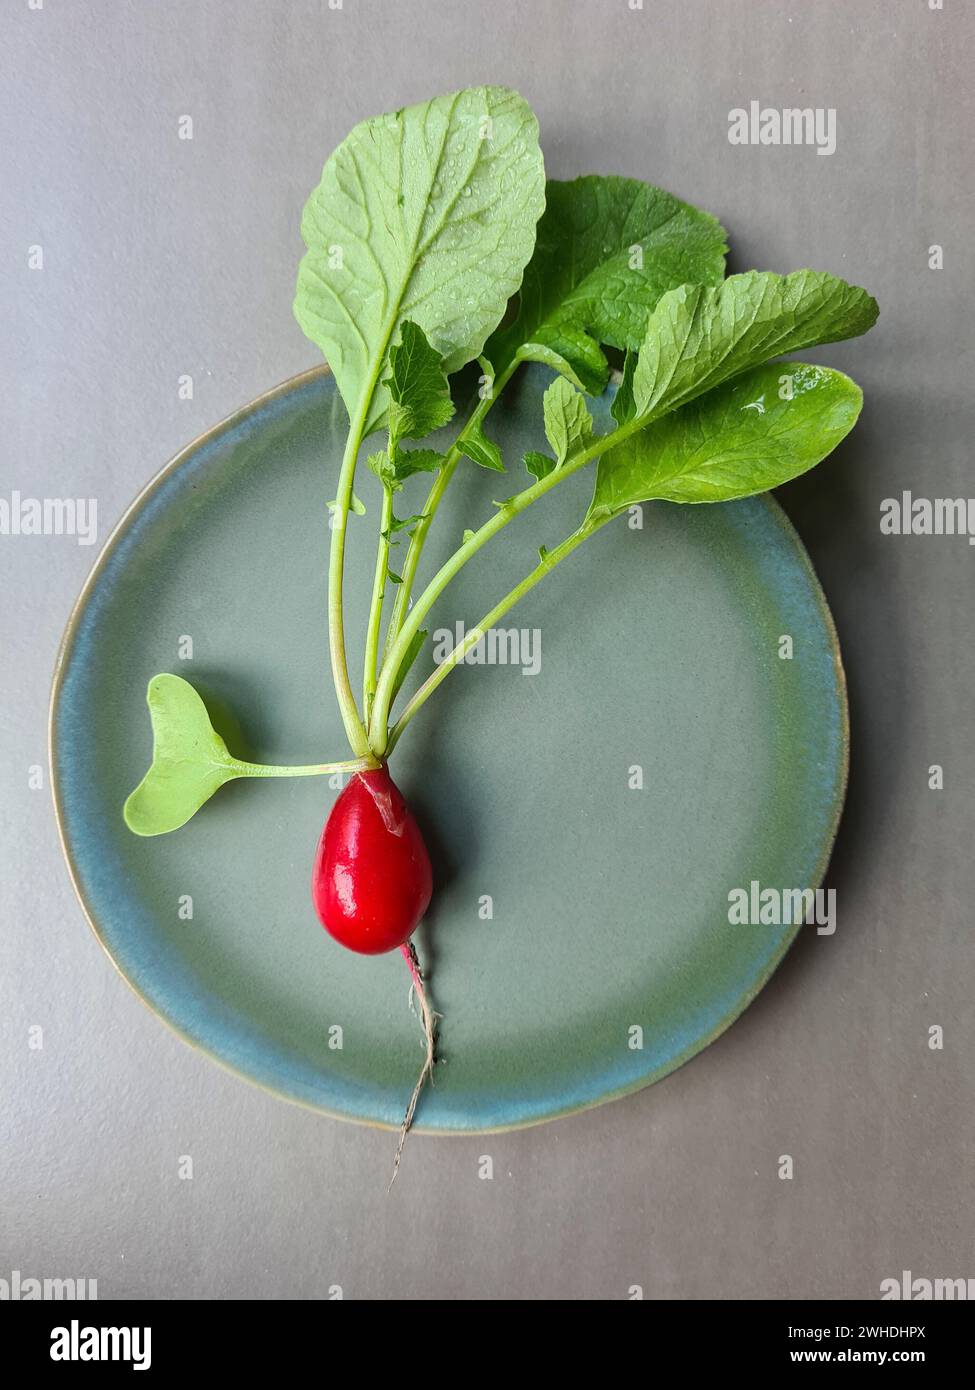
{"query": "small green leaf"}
pixel 538 465
pixel 623 407
pixel 409 656
pixel 568 424
pixel 754 433
pixel 578 358
pixel 410 461
pixel 407 462
pixel 468 535
pixel 400 523
pixel 396 578
pixel 476 446
pixel 190 760
pixel 355 504
pixel 419 396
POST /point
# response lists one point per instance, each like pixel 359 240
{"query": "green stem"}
pixel 305 770
pixel 455 657
pixel 506 513
pixel 434 498
pixel 376 607
pixel 354 728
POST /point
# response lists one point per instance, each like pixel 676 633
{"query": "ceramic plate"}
pixel 589 807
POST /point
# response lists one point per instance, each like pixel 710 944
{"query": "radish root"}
pixel 429 1018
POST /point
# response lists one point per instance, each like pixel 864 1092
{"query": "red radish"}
pixel 371 886
pixel 372 881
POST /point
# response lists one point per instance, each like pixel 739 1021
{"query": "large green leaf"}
pixel 752 434
pixel 699 336
pixel 607 249
pixel 426 214
pixel 190 760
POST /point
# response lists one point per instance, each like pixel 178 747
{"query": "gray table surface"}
pixel 164 256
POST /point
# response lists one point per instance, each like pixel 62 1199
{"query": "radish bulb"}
pixel 372 884
pixel 372 881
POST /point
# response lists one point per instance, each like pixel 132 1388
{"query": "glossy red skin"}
pixel 372 881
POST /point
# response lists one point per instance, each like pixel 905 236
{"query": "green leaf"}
pixel 393 474
pixel 468 535
pixel 380 464
pixel 568 424
pixel 410 461
pixel 767 426
pixel 417 384
pixel 395 578
pixel 400 523
pixel 427 214
pixel 476 446
pixel 538 465
pixel 607 249
pixel 699 336
pixel 190 760
pixel 409 656
pixel 589 357
pixel 623 407
pixel 579 358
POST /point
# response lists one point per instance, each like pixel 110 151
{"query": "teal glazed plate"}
pixel 589 805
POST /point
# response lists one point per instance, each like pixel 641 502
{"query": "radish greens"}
pixel 432 242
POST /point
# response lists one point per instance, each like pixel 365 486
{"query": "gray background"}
pixel 164 256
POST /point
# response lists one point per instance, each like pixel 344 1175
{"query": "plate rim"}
pixel 66 644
